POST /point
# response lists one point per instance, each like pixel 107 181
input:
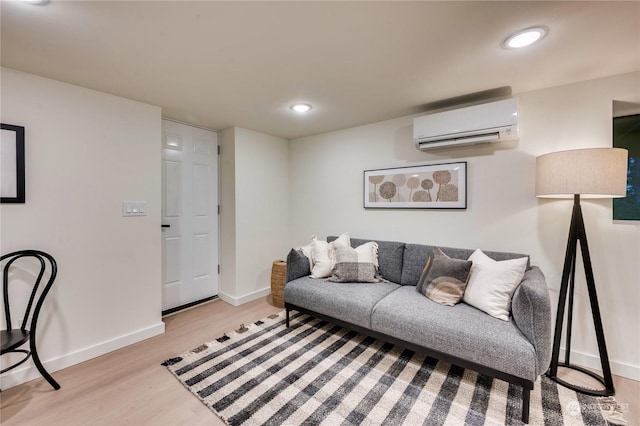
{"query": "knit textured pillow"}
pixel 359 265
pixel 444 279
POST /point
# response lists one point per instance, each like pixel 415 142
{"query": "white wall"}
pixel 502 213
pixel 86 152
pixel 228 253
pixel 255 212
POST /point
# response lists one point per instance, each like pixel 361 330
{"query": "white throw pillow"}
pixel 492 283
pixel 322 264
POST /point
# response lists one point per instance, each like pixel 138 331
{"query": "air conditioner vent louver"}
pixel 490 122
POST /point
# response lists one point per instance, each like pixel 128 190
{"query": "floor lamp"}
pixel 587 173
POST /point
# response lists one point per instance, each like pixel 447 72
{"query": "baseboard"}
pixel 593 362
pixel 237 301
pixel 29 372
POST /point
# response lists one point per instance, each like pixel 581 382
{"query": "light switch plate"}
pixel 134 208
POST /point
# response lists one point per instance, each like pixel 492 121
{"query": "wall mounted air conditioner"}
pixel 489 122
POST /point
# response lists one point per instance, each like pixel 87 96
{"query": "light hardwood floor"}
pixel 130 387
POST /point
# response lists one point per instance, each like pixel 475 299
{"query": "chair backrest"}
pixel 43 258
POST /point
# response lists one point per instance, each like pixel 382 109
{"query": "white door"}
pixel 189 214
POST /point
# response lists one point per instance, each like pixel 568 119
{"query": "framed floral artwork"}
pixel 434 186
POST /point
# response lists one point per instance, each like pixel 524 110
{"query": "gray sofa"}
pixel 517 351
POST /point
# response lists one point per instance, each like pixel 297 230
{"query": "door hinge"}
pixel 218 208
pixel 219 149
pixel 218 269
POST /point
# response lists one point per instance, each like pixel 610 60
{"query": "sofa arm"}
pixel 531 309
pixel 297 265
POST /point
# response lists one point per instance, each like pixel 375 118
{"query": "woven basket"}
pixel 278 280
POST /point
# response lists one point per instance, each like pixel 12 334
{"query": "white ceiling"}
pixel 221 64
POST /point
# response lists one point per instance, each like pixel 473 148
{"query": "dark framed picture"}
pixel 434 186
pixel 12 187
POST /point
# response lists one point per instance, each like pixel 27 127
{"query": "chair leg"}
pixel 287 317
pixel 39 366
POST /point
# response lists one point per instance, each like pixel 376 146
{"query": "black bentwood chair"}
pixel 12 339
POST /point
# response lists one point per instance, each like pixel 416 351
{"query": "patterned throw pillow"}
pixel 356 265
pixel 444 279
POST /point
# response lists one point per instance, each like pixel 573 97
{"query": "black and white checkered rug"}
pixel 315 372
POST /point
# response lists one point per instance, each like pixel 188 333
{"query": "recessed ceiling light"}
pixel 300 107
pixel 525 37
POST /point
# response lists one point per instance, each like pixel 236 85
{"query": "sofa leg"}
pixel 287 317
pixel 526 397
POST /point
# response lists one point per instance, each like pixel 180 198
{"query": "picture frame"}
pixel 12 164
pixel 433 186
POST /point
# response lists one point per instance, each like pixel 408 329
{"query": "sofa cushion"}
pixel 390 257
pixel 461 331
pixel 351 302
pixel 415 257
pixel 444 279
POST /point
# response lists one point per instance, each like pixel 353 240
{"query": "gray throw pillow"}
pixel 444 279
pixel 350 269
pixel 297 265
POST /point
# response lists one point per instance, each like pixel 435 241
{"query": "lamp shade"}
pixel 591 173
